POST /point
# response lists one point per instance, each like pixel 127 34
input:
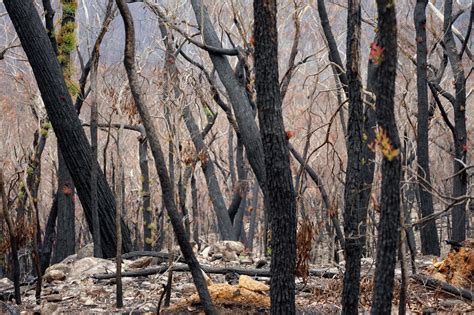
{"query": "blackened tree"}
pixel 66 124
pixel 428 233
pixel 460 139
pixel 166 185
pixel 66 44
pixel 282 200
pixel 355 209
pixel 384 54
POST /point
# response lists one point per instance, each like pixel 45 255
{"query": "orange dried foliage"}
pixel 457 268
pixel 304 242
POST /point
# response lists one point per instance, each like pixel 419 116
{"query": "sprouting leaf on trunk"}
pixel 376 53
pixel 382 141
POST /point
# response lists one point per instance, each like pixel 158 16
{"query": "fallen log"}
pixel 209 269
pixel 443 286
pixel 162 256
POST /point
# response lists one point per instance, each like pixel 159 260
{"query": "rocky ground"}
pixel 73 287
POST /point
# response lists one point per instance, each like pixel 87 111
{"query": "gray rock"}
pixel 54 275
pixel 86 251
pixel 5 283
pixel 230 255
pixel 50 308
pixel 206 251
pixel 88 266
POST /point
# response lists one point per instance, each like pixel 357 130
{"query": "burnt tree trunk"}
pixel 241 188
pixel 66 236
pixel 93 130
pixel 389 223
pixel 253 216
pixel 66 124
pixel 146 197
pixel 207 165
pixel 355 209
pixel 49 236
pixel 65 240
pixel 194 207
pixel 166 184
pixel 460 139
pixel 241 104
pixel 428 232
pixel 282 199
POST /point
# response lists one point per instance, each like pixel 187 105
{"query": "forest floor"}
pixel 81 292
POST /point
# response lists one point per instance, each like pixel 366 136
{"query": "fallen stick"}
pixel 162 256
pixel 443 286
pixel 209 269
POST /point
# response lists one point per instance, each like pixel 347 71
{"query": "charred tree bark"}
pixel 247 126
pixel 49 236
pixel 93 131
pixel 194 207
pixel 166 185
pixel 460 141
pixel 253 217
pixel 388 234
pixel 332 45
pixel 241 189
pixel 282 199
pixel 146 197
pixel 326 202
pixel 119 201
pixel 428 232
pixel 66 236
pixel 71 136
pixel 215 193
pixel 355 209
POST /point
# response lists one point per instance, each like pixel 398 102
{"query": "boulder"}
pixel 60 267
pixel 54 275
pixel 5 283
pixel 86 251
pixel 235 246
pixel 252 285
pixel 89 266
pixel 230 255
pixel 206 252
pixel 50 308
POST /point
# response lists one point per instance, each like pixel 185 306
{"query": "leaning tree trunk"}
pixel 384 54
pixel 238 97
pixel 166 184
pixel 215 193
pixel 66 124
pixel 428 232
pixel 282 199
